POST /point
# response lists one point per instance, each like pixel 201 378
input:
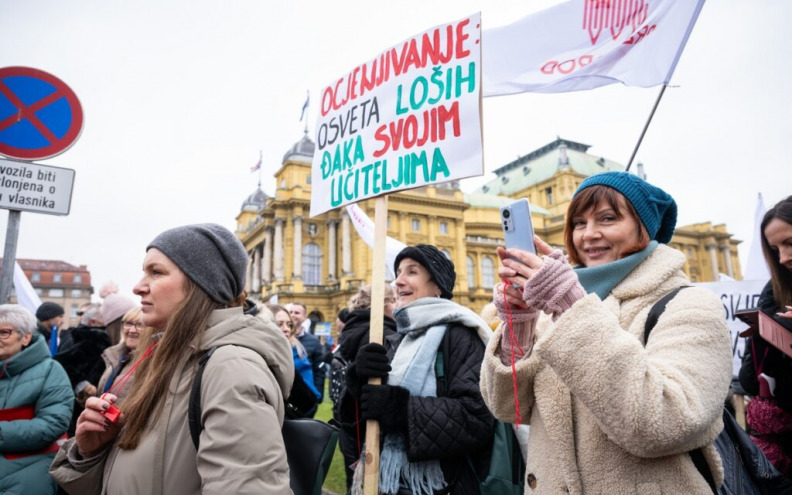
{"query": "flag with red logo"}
pixel 584 44
pixel 257 165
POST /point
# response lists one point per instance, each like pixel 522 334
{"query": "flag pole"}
pixel 646 126
pixel 259 170
pixel 372 459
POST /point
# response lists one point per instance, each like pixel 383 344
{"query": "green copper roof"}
pixel 541 164
pixel 482 200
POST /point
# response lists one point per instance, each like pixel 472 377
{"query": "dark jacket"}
pixel 776 363
pixel 449 426
pixel 316 355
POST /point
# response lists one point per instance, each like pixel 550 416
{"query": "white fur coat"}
pixel 608 415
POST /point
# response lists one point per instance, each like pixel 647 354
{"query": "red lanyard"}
pixel 515 347
pixel 125 377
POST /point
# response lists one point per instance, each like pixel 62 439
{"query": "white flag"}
pixel 26 294
pixel 756 267
pixel 365 229
pixel 584 44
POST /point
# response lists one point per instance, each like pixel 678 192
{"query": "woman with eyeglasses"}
pixel 302 365
pixel 118 357
pixel 36 404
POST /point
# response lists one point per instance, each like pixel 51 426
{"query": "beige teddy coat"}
pixel 608 415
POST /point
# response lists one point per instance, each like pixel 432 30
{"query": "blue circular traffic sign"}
pixel 40 116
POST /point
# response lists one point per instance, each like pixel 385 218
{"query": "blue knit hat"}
pixel 655 207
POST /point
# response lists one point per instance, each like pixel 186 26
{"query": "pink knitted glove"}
pixel 523 321
pixel 554 288
pixel 517 314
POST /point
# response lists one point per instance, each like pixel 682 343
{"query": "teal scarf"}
pixel 602 279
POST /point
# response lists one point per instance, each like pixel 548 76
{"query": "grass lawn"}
pixel 336 479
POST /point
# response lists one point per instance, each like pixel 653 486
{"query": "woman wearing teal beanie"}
pixel 610 413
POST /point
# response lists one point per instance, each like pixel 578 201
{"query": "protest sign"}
pixel 736 296
pixel 410 117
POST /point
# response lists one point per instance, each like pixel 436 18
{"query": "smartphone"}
pixel 517 227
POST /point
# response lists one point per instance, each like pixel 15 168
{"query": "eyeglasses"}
pixel 137 324
pixel 6 333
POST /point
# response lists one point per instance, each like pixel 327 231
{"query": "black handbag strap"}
pixel 194 406
pixel 697 455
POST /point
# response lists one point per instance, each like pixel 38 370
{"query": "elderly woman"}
pixel 117 358
pixel 610 413
pixel 191 291
pixel 36 405
pixel 434 427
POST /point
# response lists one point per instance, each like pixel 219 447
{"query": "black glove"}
pixel 372 362
pixel 386 404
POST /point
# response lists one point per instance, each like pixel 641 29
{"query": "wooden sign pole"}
pixel 371 476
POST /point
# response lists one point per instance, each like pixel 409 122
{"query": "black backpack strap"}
pixel 697 455
pixel 656 311
pixel 194 406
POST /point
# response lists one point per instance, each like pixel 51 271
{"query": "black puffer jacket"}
pixel 448 427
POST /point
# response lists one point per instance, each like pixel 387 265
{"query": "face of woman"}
pixel 284 322
pixel 11 343
pixel 779 237
pixel 161 289
pixel 131 332
pixel 600 237
pixel 413 282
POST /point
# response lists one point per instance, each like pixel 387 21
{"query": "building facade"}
pixel 321 261
pixel 59 282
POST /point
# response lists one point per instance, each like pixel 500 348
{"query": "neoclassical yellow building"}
pixel 321 261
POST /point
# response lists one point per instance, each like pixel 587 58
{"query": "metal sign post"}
pixel 9 255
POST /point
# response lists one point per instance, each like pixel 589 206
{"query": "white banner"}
pixel 25 293
pixel 365 229
pixel 584 44
pixel 755 266
pixel 736 296
pixel 408 118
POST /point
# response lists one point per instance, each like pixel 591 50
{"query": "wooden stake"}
pixel 371 476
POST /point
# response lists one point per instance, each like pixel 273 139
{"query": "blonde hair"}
pixel 362 300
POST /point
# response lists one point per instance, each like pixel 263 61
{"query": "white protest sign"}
pixel 736 296
pixel 37 188
pixel 407 118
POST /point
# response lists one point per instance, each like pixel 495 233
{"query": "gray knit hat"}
pixel 440 268
pixel 210 255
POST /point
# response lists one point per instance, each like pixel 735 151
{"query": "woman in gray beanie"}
pixel 191 295
pixel 610 411
pixel 433 428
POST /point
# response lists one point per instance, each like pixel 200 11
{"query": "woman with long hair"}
pixel 610 412
pixel 191 293
pixel 302 364
pixel 118 358
pixel 766 372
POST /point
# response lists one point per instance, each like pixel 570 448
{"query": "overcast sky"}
pixel 179 97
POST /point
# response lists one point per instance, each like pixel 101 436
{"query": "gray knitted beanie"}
pixel 210 255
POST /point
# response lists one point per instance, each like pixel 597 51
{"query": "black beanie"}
pixel 48 310
pixel 440 268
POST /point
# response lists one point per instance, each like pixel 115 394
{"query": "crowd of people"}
pixel 565 350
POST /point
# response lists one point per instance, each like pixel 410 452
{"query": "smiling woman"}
pixel 598 398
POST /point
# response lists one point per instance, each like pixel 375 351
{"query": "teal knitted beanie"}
pixel 655 207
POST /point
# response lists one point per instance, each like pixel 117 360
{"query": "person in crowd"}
pixel 80 354
pixel 311 344
pixel 50 319
pixel 766 372
pixel 119 357
pixel 302 364
pixel 192 291
pixel 357 322
pixel 341 319
pixel 437 429
pixel 36 406
pixel 610 413
pixel 114 307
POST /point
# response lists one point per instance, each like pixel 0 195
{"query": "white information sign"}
pixel 37 188
pixel 408 118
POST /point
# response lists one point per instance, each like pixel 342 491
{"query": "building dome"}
pixel 303 151
pixel 256 201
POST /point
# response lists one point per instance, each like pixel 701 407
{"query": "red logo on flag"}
pixel 613 15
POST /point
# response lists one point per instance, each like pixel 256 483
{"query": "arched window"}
pixel 487 272
pixel 312 264
pixel 471 273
